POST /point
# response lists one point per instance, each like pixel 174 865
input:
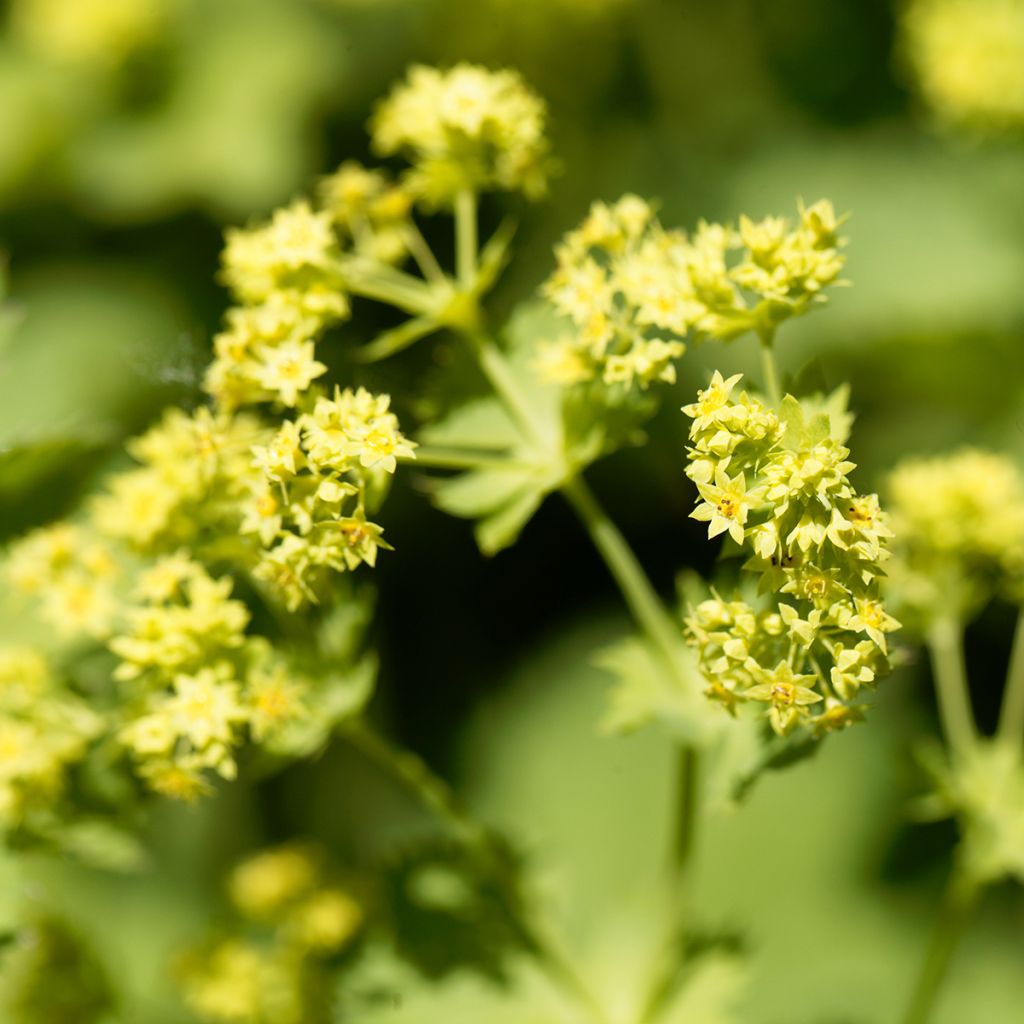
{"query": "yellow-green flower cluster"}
pixel 287 279
pixel 968 59
pixel 777 483
pixel 195 680
pixel 70 574
pixel 618 280
pixel 308 507
pixel 44 730
pixel 273 970
pixel 621 277
pixel 960 523
pixel 192 472
pixel 466 128
pixel 371 212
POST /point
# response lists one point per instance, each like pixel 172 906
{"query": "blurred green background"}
pixel 124 152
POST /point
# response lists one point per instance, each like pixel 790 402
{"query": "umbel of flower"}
pixel 777 483
pixel 308 504
pixel 960 526
pixel 632 289
pixel 968 60
pixel 466 128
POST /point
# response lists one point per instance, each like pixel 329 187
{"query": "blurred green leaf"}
pixel 101 844
pixel 448 912
pixel 40 480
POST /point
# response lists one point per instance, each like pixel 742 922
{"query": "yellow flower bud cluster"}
pixel 960 523
pixel 197 681
pixel 44 730
pixel 968 59
pixel 70 574
pixel 308 508
pixel 777 483
pixel 621 277
pixel 466 128
pixel 273 970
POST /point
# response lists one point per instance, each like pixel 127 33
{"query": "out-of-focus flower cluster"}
pixel 465 128
pixel 273 968
pixel 968 59
pixel 778 483
pixel 621 277
pixel 45 729
pixel 278 491
pixel 959 519
pixel 94 33
pixel 190 685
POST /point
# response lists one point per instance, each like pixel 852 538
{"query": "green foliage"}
pixel 450 913
pixel 49 976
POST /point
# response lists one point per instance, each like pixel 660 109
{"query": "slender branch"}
pixel 769 371
pixel 636 588
pixel 391 293
pixel 435 794
pixel 422 253
pixel 959 900
pixel 466 243
pixel 1011 717
pixel 945 646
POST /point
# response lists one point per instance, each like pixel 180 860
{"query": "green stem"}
pixel 422 253
pixel 769 370
pixel 1011 717
pixel 958 902
pixel 624 566
pixel 650 615
pixel 945 646
pixel 435 794
pixel 466 243
pixel 392 293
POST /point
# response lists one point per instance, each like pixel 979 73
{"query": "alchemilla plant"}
pixel 208 602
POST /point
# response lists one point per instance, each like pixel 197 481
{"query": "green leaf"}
pixel 41 479
pixel 712 993
pixel 501 529
pixel 448 912
pixel 644 693
pixel 479 424
pixel 503 500
pixel 482 492
pixel 101 844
